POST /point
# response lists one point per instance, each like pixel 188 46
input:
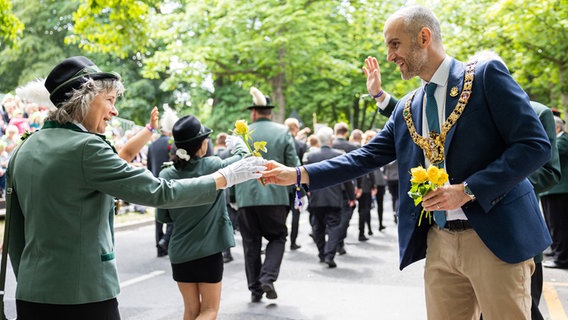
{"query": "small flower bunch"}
pixel 242 130
pixel 424 181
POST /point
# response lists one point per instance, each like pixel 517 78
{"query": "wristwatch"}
pixel 467 191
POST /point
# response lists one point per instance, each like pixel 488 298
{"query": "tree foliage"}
pixel 10 26
pixel 202 56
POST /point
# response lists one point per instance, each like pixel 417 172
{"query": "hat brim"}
pixel 206 132
pixel 260 107
pixel 58 94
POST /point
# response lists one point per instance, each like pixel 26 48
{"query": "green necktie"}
pixel 432 108
pixel 434 125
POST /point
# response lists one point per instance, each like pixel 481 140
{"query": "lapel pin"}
pixel 454 92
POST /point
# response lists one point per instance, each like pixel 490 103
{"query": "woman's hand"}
pixel 155 118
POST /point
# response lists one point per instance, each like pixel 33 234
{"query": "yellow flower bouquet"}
pixel 423 181
pixel 242 130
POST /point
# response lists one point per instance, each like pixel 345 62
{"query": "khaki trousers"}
pixel 463 279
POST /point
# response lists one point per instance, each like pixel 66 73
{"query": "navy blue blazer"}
pixel 496 143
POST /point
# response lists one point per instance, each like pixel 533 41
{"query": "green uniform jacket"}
pixel 562 186
pixel 61 235
pixel 281 148
pixel 199 231
pixel 549 174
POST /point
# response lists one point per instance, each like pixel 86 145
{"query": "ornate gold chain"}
pixel 433 145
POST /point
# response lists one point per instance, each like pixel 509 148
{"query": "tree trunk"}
pixel 278 98
pixel 278 84
pixel 563 108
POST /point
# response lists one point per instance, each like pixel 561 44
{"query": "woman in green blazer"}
pixel 201 232
pixel 64 178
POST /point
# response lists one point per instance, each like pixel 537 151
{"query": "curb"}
pixel 133 225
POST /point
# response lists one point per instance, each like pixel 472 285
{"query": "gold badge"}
pixel 454 92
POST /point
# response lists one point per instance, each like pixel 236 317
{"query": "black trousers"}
pixel 160 234
pixel 104 310
pixel 346 214
pixel 392 186
pixel 364 212
pixel 555 208
pixel 380 197
pixel 268 222
pixel 326 221
pixel 295 224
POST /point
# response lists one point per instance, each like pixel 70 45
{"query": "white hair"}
pixel 325 135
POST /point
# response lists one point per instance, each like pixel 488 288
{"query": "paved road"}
pixel 366 285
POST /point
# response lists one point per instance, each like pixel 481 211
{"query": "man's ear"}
pixel 424 37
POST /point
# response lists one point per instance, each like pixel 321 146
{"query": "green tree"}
pixel 531 37
pixel 10 26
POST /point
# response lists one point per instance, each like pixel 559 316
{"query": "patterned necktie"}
pixel 434 125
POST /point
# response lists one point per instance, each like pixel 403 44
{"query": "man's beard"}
pixel 413 63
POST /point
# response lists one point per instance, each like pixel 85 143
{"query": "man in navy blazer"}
pixel 481 260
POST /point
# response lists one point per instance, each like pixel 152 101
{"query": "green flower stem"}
pixel 245 139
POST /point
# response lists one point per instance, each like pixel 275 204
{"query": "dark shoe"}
pixel 363 238
pixel 381 228
pixel 549 253
pixel 255 298
pixel 395 218
pixel 370 233
pixel 554 265
pixel 162 253
pixel 227 258
pixel 341 251
pixel 294 246
pixel 268 288
pixel 163 244
pixel 330 263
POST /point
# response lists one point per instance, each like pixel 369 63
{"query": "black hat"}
pixel 70 74
pixel 188 129
pixel 259 100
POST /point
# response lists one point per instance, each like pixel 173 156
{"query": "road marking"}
pixel 141 278
pixel 553 303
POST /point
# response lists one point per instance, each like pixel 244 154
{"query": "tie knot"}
pixel 430 88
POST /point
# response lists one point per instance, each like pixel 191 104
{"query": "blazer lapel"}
pixel 417 110
pixel 455 80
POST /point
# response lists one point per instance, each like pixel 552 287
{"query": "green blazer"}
pixel 61 235
pixel 280 147
pixel 199 231
pixel 562 186
pixel 549 174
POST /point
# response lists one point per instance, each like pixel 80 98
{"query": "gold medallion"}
pixel 454 92
pixel 433 144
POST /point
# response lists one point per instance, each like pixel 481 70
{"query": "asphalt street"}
pixel 367 283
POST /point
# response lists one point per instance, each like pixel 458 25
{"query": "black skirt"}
pixel 207 269
pixel 104 310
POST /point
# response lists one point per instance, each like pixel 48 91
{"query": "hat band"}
pixel 81 73
pixel 199 134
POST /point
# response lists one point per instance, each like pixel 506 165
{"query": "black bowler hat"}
pixel 188 130
pixel 70 74
pixel 259 100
